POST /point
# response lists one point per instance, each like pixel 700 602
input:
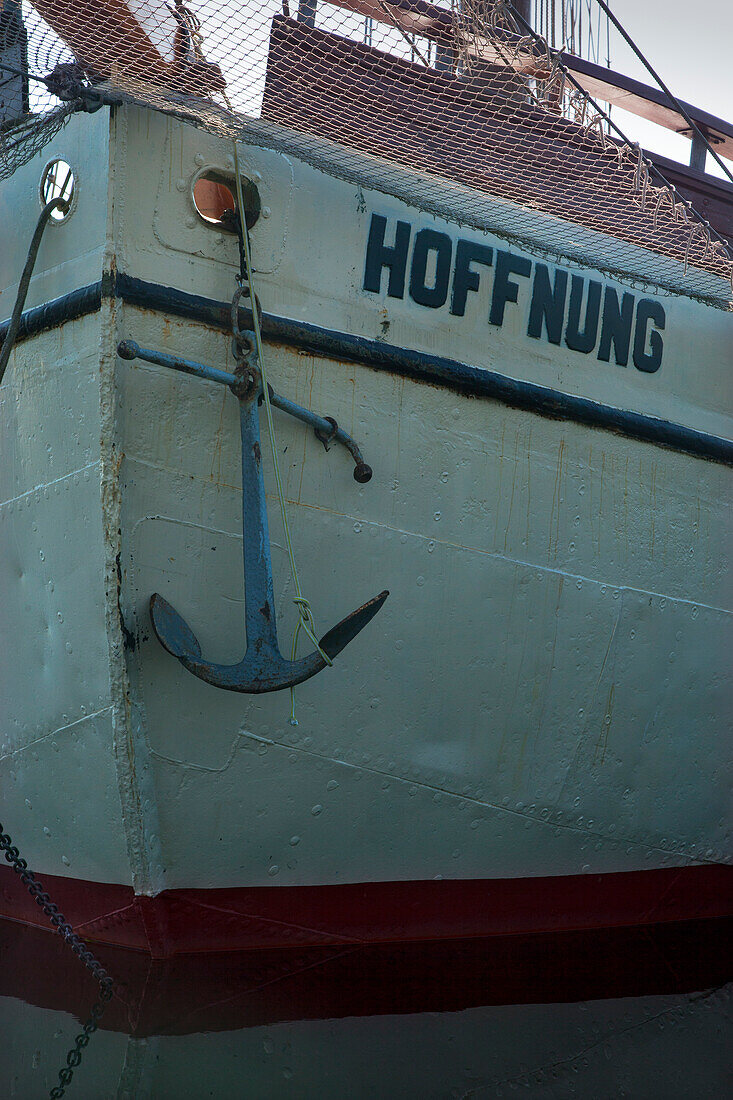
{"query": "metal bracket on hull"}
pixel 263 667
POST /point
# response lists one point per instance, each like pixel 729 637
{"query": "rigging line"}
pixel 59 203
pixel 670 96
pixel 3 83
pixel 411 42
pixel 76 101
pixel 605 115
pixel 23 72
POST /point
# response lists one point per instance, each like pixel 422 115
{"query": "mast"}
pixel 13 53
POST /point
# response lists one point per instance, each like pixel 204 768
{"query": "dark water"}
pixel 640 1014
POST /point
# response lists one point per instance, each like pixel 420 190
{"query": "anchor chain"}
pixel 305 622
pixel 244 348
pixel 80 949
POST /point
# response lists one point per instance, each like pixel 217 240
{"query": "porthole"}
pixel 58 182
pixel 213 195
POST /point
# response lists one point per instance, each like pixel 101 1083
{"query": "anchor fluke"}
pixel 263 667
pixel 172 631
pixel 339 636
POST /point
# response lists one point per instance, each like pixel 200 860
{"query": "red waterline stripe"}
pixel 219 920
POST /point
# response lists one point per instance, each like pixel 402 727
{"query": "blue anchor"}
pixel 263 667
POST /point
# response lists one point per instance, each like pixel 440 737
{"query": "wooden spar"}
pixel 111 35
pixel 646 102
pixel 121 38
pixel 429 21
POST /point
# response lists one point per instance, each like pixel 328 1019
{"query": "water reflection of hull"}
pixel 418 1020
pixel 223 991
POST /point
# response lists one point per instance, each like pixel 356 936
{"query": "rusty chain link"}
pixel 80 949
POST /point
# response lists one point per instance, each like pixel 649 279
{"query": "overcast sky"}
pixel 690 44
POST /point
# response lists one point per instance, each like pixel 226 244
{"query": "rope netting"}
pixel 452 105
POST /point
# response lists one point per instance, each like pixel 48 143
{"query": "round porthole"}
pixel 58 182
pixel 213 196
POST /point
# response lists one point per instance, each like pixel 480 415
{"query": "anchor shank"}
pixel 263 668
pixel 259 597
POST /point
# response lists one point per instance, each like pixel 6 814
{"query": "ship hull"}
pixel 529 737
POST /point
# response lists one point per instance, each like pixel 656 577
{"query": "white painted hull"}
pixel 545 692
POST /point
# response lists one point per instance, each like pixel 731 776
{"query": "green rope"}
pixel 305 621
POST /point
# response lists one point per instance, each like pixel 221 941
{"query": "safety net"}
pixel 455 106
